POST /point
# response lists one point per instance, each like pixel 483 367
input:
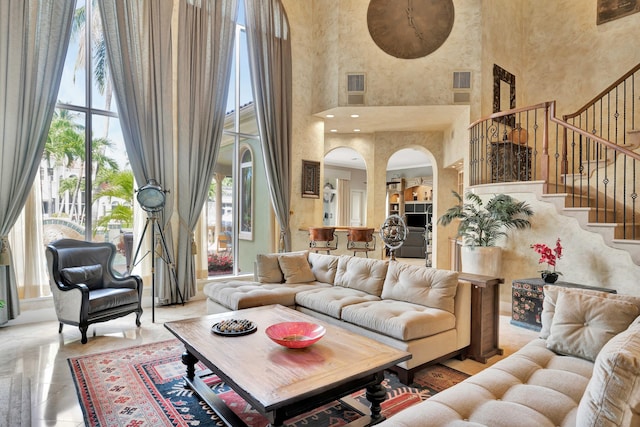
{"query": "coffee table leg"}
pixel 376 394
pixel 190 361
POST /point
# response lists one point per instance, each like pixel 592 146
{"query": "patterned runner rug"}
pixel 144 386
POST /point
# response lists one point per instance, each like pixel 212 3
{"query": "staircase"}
pixel 588 162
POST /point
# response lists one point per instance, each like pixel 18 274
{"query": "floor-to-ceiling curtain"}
pixel 25 238
pixel 269 43
pixel 138 40
pixel 34 36
pixel 205 47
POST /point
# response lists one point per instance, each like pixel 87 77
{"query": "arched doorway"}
pixel 410 184
pixel 344 188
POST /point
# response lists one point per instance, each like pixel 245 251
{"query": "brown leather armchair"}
pixel 84 287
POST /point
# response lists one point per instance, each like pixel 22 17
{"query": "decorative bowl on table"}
pixel 295 334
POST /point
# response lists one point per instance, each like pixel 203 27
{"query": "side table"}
pixel 527 296
pixel 485 316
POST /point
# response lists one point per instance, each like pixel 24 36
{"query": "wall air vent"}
pixel 356 88
pixel 461 87
pixel 461 97
pixel 461 80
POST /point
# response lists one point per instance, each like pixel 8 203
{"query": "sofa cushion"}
pixel 107 298
pixel 612 397
pixel 583 324
pixel 399 319
pixel 295 267
pixel 363 274
pixel 332 300
pixel 268 269
pixel 429 287
pixel 236 295
pixel 551 295
pixel 324 267
pixel 533 387
pixel 90 275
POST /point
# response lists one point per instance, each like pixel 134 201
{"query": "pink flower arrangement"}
pixel 548 255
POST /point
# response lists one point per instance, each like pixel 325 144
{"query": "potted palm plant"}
pixel 481 225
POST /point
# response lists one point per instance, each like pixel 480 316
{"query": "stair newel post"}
pixel 544 159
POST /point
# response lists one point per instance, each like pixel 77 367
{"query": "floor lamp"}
pixel 151 198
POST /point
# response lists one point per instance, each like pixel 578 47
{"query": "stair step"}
pixel 593 214
pixel 629 232
pixel 632 247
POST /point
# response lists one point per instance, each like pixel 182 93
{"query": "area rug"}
pixel 144 386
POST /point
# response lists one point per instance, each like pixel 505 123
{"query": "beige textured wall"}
pixel 580 57
pixel 555 50
pixel 390 81
pixel 307 130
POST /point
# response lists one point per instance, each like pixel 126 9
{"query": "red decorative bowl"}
pixel 295 334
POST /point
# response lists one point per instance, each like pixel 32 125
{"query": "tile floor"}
pixel 33 346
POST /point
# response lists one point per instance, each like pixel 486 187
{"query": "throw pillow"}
pixel 551 295
pixel 268 269
pixel 324 267
pixel 583 324
pixel 295 268
pixel 90 275
pixel 612 397
pixel 429 287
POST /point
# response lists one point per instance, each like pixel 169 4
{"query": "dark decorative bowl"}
pixel 295 334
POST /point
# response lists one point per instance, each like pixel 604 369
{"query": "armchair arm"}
pixel 129 282
pixel 71 301
pixel 65 287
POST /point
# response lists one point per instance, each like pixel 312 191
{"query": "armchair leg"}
pixel 83 331
pixel 60 328
pixel 138 314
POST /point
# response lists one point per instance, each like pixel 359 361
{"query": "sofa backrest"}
pixel 324 266
pixel 364 274
pixel 430 287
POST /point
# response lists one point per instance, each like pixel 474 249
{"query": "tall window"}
pixel 240 177
pixel 86 182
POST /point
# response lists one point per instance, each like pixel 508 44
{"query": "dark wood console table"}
pixel 485 316
pixel 527 296
pixel 510 162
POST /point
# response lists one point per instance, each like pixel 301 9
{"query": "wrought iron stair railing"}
pixel 532 144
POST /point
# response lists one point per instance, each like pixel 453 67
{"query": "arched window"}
pixel 246 194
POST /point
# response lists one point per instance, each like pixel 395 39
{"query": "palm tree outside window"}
pixel 87 184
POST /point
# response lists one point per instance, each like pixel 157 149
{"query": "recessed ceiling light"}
pixel 356 130
pixel 355 116
pixel 330 116
pixel 333 130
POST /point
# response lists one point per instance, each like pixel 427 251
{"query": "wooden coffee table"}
pixel 282 383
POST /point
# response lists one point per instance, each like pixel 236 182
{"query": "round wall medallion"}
pixel 410 29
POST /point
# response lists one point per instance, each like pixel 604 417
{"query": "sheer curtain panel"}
pixel 205 47
pixel 34 36
pixel 269 44
pixel 138 40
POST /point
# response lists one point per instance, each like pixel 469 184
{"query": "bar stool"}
pixel 361 239
pixel 323 239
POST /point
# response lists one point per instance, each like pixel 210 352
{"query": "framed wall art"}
pixel 310 179
pixel 608 10
pixel 504 94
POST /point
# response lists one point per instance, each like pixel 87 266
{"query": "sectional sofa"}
pixel 424 311
pixel 583 371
